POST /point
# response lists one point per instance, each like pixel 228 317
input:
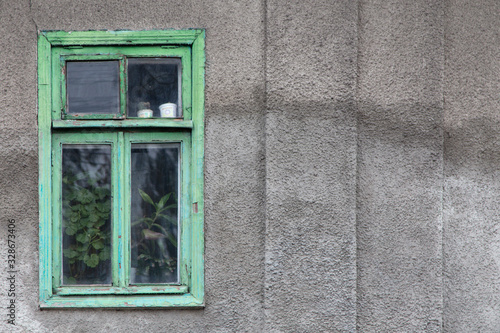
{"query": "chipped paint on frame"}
pixel 190 130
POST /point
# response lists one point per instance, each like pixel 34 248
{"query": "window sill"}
pixel 100 290
pixel 128 123
pixel 122 302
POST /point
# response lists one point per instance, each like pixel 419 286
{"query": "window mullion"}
pixel 56 213
pixel 123 87
pixel 124 208
pixel 186 87
pixel 58 92
pixel 118 262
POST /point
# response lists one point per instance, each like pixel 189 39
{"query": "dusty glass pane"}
pixel 86 214
pixel 153 82
pixel 154 213
pixel 93 87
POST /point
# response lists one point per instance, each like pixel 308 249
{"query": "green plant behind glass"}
pixel 154 238
pixel 86 214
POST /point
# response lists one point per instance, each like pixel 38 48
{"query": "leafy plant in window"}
pixel 86 211
pixel 155 241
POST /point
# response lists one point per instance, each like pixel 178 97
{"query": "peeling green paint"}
pixel 56 128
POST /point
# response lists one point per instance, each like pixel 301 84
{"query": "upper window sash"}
pixel 120 54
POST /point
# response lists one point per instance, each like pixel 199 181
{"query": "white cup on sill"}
pixel 168 110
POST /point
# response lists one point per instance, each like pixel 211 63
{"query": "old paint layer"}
pixel 135 123
pixel 53 132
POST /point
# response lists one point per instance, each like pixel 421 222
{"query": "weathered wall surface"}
pixel 400 166
pixel 234 157
pixel 19 159
pixel 472 167
pixel 311 166
pixel 352 163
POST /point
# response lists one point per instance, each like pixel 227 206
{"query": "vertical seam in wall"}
pixel 443 179
pixel 358 114
pixel 31 15
pixel 264 152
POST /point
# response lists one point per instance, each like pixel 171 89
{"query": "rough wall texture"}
pixel 472 167
pixel 311 166
pixel 234 157
pixel 352 163
pixel 400 166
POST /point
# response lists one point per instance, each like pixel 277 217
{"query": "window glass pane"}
pixel 93 87
pixel 86 214
pixel 153 82
pixel 154 213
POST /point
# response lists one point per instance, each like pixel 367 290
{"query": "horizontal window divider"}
pixel 103 290
pixel 128 123
pixel 131 301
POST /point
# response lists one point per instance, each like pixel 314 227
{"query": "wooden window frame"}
pixel 56 128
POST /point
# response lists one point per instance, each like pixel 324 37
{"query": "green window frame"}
pixel 59 128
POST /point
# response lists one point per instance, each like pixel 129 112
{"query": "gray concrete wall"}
pixel 400 165
pixel 311 167
pixel 235 86
pixel 472 167
pixel 352 163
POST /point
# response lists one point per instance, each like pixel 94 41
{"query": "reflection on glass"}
pixel 154 213
pixel 93 87
pixel 153 82
pixel 86 214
